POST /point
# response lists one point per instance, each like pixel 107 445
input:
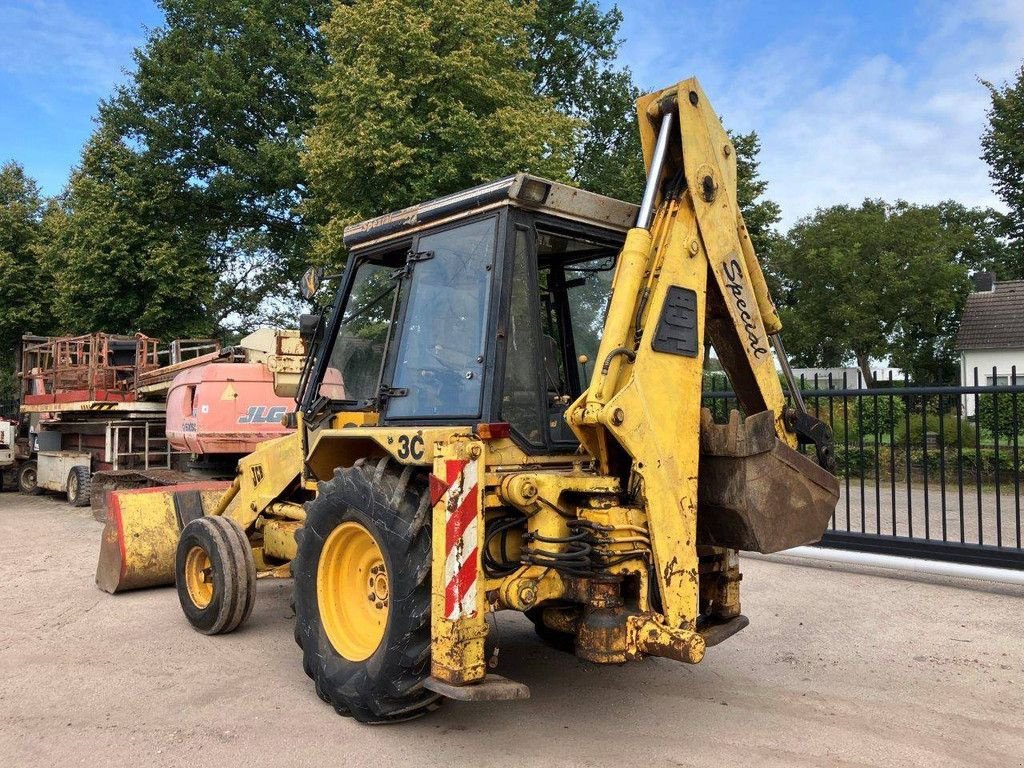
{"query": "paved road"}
pixel 919 513
pixel 837 668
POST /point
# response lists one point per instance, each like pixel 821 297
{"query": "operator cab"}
pixel 483 306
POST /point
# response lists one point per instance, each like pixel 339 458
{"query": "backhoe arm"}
pixel 691 196
pixel 687 276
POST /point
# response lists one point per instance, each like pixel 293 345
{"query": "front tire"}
pixel 362 592
pixel 79 486
pixel 215 574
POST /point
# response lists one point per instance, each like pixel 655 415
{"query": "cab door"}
pixel 437 370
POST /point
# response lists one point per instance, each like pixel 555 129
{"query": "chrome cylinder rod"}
pixel 780 352
pixel 643 221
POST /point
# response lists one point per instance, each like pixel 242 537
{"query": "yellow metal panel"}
pixel 264 475
pixel 659 425
pixel 279 538
pixel 330 448
pixel 709 164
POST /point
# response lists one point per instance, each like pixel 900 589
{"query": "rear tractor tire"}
pixel 79 486
pixel 362 592
pixel 28 479
pixel 215 574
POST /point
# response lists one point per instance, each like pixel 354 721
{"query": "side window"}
pixel 588 286
pixel 441 350
pixel 358 353
pixel 520 403
pixel 575 277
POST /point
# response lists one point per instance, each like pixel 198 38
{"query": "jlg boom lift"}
pixel 502 411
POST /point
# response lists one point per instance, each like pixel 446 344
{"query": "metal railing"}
pixel 91 365
pixel 9 409
pixel 925 471
pixel 137 445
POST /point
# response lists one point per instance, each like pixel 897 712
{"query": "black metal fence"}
pixel 925 471
pixel 8 409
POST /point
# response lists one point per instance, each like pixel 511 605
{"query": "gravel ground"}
pixel 837 668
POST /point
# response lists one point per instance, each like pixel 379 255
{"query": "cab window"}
pixel 520 400
pixel 560 287
pixel 574 282
pixel 353 372
pixel 439 365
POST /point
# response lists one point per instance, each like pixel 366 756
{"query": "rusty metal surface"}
pixel 601 635
pixel 759 495
pixel 129 479
pixel 716 633
pixel 97 364
pixel 648 635
pixel 491 688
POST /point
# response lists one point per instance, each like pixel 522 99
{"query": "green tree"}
pixel 220 99
pixel 933 284
pixel 25 291
pixel 984 239
pixel 573 47
pixel 423 99
pixel 123 252
pixel 873 282
pixel 760 214
pixel 1002 146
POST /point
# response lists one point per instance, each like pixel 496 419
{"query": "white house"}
pixel 843 378
pixel 991 336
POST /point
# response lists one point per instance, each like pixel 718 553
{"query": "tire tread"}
pixel 388 687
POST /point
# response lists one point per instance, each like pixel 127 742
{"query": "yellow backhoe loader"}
pixel 502 411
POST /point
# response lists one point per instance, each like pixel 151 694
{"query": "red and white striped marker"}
pixel 460 571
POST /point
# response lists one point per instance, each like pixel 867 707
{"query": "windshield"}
pixel 355 364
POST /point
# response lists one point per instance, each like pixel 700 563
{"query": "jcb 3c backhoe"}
pixel 502 411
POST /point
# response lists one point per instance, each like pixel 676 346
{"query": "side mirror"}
pixel 310 283
pixel 310 329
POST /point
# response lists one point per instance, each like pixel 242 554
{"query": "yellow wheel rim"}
pixel 199 577
pixel 352 591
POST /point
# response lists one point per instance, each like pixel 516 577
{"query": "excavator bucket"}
pixel 141 532
pixel 756 493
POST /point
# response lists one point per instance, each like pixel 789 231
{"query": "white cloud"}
pixel 49 41
pixel 836 128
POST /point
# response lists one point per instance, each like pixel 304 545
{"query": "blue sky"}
pixel 852 99
pixel 58 58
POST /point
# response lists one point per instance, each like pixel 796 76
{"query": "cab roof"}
pixel 522 190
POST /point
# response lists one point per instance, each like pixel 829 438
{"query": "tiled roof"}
pixel 994 320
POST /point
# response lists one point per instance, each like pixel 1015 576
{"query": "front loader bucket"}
pixel 756 493
pixel 141 532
